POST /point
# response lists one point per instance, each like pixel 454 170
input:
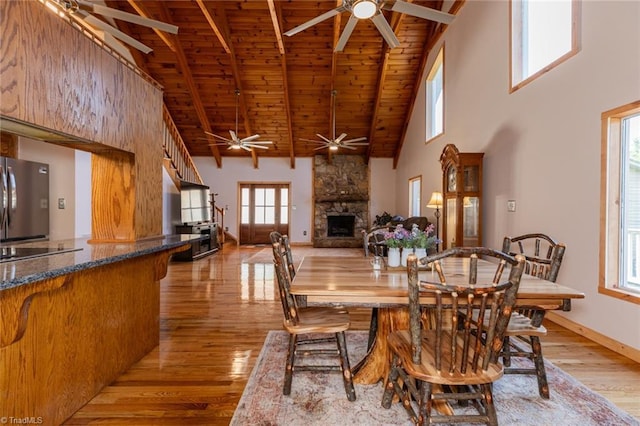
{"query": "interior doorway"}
pixel 264 207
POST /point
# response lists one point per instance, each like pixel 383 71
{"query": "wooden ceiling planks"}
pixel 285 82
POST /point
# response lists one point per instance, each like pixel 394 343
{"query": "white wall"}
pixel 382 183
pixel 83 194
pixel 224 181
pixel 541 143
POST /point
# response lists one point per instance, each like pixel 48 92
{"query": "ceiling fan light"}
pixel 364 9
pixel 333 148
pixel 238 146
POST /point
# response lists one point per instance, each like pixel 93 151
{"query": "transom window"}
pixel 435 97
pixel 543 34
pixel 620 229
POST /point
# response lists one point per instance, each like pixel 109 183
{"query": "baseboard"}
pixel 599 338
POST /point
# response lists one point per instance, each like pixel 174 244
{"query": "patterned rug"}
pixel 320 399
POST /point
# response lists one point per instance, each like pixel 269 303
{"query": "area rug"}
pixel 266 254
pixel 320 399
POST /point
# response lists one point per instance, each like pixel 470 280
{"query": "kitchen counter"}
pixel 73 255
pixel 74 321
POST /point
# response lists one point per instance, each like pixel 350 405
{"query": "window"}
pixel 435 97
pixel 415 189
pixel 620 206
pixel 543 35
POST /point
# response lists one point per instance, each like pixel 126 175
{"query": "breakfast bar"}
pixel 74 315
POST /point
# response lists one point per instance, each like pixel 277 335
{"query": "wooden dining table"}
pixel 352 281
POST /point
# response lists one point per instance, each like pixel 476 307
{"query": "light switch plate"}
pixel 511 205
pixel 62 204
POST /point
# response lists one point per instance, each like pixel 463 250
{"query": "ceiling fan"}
pixel 82 10
pixel 235 142
pixel 334 143
pixel 372 9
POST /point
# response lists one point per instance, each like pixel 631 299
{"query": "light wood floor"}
pixel 215 314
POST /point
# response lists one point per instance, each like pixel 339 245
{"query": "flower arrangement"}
pixel 399 237
pixel 424 239
pixel 415 238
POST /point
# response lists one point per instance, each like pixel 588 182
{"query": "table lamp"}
pixel 435 203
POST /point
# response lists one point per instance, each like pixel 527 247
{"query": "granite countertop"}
pixel 73 255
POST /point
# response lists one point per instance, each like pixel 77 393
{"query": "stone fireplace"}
pixel 340 225
pixel 341 200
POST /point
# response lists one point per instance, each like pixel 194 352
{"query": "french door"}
pixel 263 208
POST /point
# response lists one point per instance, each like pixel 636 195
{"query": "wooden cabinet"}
pixel 205 245
pixel 462 197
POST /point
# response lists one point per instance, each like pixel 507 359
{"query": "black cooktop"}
pixel 10 254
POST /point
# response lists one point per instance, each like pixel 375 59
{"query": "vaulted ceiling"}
pixel 229 53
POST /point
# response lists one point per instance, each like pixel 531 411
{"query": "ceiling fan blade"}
pixel 385 29
pixel 218 137
pixel 355 141
pixel 311 140
pixel 316 20
pixel 246 148
pixel 346 33
pixel 92 20
pixel 255 146
pixel 422 12
pixel 129 17
pixel 323 138
pixel 321 147
pixel 234 137
pixel 347 146
pixel 250 138
pixel 258 143
pixel 339 138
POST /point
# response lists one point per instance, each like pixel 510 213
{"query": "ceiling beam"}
pixel 213 25
pixel 277 24
pixel 174 44
pixel 396 20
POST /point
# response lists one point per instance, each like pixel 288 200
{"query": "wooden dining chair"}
pixel 543 259
pixel 439 361
pixel 285 245
pixel 328 323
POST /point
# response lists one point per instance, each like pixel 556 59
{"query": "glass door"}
pixel 263 208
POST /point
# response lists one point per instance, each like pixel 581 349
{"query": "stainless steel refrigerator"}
pixel 24 200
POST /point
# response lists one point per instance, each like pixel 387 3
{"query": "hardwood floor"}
pixel 214 316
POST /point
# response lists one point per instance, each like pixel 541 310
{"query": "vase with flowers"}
pixel 425 241
pixel 395 240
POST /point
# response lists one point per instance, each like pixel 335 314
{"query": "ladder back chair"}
pixel 543 256
pixel 327 325
pixel 277 237
pixel 451 361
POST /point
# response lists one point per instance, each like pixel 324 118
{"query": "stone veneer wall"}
pixel 341 187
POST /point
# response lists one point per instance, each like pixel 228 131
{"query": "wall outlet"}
pixel 511 205
pixel 304 233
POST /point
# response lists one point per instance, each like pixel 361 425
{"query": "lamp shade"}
pixel 436 200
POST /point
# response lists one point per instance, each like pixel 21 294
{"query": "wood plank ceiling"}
pixel 285 83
